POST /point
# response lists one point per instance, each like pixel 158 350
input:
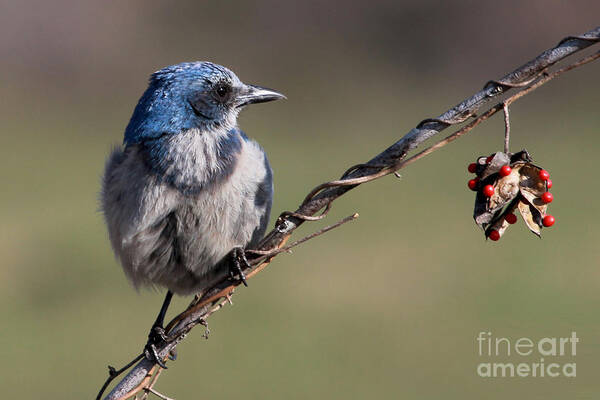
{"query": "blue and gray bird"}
pixel 188 186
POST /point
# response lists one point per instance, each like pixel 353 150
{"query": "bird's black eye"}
pixel 222 92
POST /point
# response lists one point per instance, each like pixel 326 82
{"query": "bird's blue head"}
pixel 195 95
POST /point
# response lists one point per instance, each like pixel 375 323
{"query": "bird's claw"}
pixel 235 267
pixel 152 355
pixel 157 334
pixel 156 337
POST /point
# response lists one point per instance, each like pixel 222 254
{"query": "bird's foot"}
pixel 156 337
pixel 238 262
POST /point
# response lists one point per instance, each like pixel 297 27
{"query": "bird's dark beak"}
pixel 255 94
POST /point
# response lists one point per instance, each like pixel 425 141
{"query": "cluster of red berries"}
pixel 488 191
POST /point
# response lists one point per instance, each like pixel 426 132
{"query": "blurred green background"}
pixel 388 306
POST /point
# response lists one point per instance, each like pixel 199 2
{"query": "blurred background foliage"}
pixel 388 306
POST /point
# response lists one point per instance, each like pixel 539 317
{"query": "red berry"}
pixel 549 183
pixel 547 197
pixel 494 235
pixel 472 168
pixel 488 191
pixel 548 221
pixel 505 170
pixel 487 160
pixel 473 183
pixel 544 175
pixel 510 218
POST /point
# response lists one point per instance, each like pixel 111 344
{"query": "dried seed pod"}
pixel 518 184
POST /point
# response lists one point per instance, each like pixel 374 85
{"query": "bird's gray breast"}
pixel 166 234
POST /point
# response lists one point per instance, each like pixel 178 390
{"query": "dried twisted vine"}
pixel 528 77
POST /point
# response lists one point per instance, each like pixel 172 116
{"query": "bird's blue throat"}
pixel 194 159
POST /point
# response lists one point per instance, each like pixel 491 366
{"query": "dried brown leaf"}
pixel 532 187
pixel 530 216
pixel 530 180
